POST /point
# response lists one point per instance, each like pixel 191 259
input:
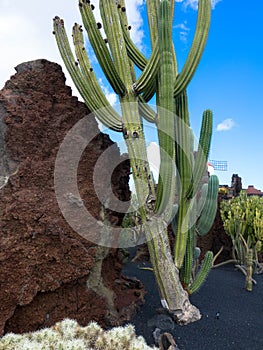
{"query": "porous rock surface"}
pixel 45 265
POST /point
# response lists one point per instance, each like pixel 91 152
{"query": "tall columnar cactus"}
pixel 181 168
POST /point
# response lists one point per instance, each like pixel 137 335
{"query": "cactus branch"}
pixel 147 112
pixel 133 52
pixel 201 158
pixel 208 212
pixel 100 48
pixel 92 83
pixel 202 274
pixel 165 192
pixel 107 115
pixel 149 74
pixel 197 48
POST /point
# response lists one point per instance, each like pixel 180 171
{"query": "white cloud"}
pixel 153 154
pixel 136 21
pixel 225 125
pixel 194 3
pixel 182 26
pixel 184 30
pixel 26 31
pixel 111 96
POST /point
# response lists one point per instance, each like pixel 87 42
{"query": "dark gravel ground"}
pixel 232 318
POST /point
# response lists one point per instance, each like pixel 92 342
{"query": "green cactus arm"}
pixel 207 216
pixel 186 269
pixel 129 103
pixel 181 108
pixel 183 139
pixel 152 13
pixel 133 52
pixel 67 55
pixel 203 273
pixel 147 95
pixel 166 183
pixel 183 143
pixel 100 48
pixel 108 116
pixel 125 31
pixel 172 6
pixel 146 111
pixel 200 163
pixel 181 233
pixel 148 76
pixel 174 218
pixel 197 48
pixel 112 26
pixel 202 199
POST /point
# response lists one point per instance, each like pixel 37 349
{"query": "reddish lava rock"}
pixel 45 265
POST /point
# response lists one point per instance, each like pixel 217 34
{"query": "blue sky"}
pixel 228 80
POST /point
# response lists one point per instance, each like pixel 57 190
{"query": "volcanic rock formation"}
pixel 45 264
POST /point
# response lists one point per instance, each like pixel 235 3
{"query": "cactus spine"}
pixel 159 77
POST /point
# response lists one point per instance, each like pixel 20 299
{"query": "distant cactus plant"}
pixel 181 169
pixel 242 217
pixel 69 335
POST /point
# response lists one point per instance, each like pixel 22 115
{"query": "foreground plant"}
pixel 182 168
pixel 243 220
pixel 69 335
